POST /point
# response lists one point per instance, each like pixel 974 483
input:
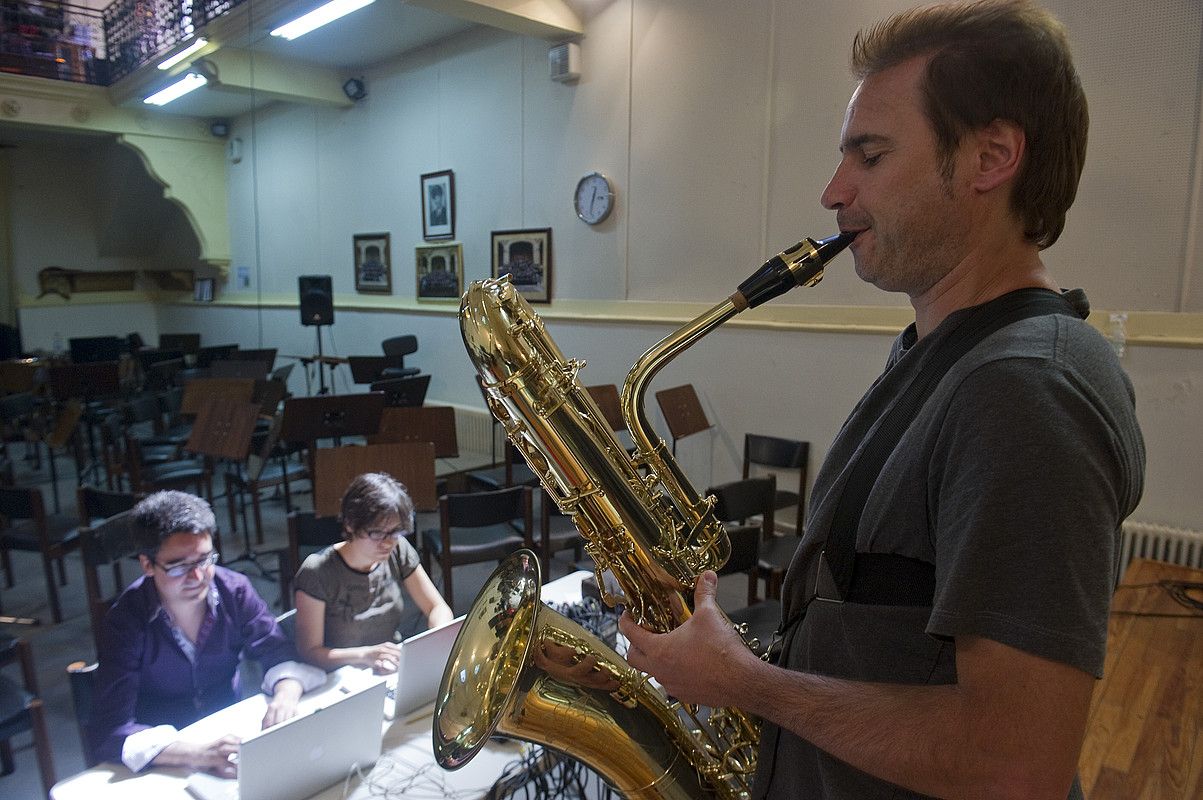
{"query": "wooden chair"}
pixel 28 527
pixel 94 505
pixel 773 452
pixel 477 527
pixel 106 542
pixel 682 412
pixel 21 710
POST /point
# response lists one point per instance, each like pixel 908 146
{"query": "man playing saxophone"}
pixel 942 637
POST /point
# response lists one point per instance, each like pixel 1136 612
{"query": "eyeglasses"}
pixel 180 570
pixel 377 536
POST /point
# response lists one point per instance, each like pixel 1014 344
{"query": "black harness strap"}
pixel 888 579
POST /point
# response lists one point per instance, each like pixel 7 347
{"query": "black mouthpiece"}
pixel 800 265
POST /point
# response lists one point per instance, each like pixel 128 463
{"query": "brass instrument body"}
pixel 654 543
pixel 642 521
pixel 615 722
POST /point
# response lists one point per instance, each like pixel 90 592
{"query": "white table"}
pixel 407 748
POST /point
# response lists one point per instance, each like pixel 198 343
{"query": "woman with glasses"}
pixel 348 597
pixel 170 646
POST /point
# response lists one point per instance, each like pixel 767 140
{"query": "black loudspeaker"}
pixel 317 300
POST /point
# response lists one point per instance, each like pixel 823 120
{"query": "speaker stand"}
pixel 321 364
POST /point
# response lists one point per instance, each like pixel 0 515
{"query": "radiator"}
pixel 1161 543
pixel 477 432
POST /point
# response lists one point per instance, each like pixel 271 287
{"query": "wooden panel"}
pixel 1144 733
pixel 412 463
pixel 199 391
pixel 420 424
pixel 682 411
pixel 607 399
pixel 223 429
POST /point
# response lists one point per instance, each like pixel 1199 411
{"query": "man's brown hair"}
pixel 996 60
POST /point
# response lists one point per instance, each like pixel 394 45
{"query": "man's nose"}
pixel 838 192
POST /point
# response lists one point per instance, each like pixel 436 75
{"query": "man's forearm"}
pixel 946 741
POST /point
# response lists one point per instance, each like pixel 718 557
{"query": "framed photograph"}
pixel 373 268
pixel 438 205
pixel 526 257
pixel 440 271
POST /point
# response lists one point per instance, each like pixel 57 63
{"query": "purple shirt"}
pixel 144 678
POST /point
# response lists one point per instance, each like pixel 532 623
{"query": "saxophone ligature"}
pixel 521 670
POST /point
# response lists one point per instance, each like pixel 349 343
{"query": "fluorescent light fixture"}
pixel 186 84
pixel 171 61
pixel 319 17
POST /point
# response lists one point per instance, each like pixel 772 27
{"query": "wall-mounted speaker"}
pixel 317 299
pixel 354 89
pixel 564 62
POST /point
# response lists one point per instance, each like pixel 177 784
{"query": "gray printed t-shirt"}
pixel 362 608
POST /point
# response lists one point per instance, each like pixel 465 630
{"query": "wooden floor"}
pixel 1143 740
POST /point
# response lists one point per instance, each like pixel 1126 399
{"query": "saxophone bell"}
pixel 800 265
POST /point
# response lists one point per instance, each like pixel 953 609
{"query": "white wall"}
pixel 718 123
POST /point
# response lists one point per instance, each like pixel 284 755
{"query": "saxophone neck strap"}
pixel 890 579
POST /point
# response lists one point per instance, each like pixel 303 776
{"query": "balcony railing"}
pixel 73 43
pixel 53 40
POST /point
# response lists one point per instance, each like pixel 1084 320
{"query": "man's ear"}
pixel 1000 150
pixel 148 567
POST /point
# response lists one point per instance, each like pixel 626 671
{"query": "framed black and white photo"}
pixel 440 271
pixel 525 255
pixel 438 205
pixel 373 268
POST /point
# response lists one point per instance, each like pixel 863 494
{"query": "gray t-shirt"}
pixel 362 608
pixel 1013 481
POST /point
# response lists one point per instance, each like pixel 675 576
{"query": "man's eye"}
pixel 870 161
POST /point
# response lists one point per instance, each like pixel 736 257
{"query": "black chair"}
pixel 738 500
pixel 29 528
pixel 106 542
pixel 477 527
pixel 82 677
pixel 400 347
pixel 266 467
pixel 735 502
pixel 776 453
pixel 21 710
pixel 307 533
pixel 557 532
pixel 514 471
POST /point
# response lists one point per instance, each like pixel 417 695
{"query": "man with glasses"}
pixel 170 646
pixel 349 596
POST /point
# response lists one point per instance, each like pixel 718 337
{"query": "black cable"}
pixel 1179 591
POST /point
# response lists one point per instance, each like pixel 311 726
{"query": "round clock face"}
pixel 594 198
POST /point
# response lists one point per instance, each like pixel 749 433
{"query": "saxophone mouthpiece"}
pixel 800 265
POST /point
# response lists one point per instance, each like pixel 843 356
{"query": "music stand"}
pixel 87 383
pixel 238 368
pixel 435 424
pixel 200 391
pixel 408 391
pixel 309 419
pixel 222 431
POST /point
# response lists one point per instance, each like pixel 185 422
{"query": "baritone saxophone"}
pixel 521 670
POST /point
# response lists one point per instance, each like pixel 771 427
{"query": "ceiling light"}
pixel 319 17
pixel 171 61
pixel 186 84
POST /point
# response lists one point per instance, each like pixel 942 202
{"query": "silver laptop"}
pixel 305 754
pixel 423 657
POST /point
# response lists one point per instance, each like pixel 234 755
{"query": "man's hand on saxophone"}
pixel 702 661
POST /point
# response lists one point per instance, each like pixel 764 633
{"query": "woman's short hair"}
pixel 164 514
pixel 372 496
pixel 996 60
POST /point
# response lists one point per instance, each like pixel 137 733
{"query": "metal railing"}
pixel 53 40
pixel 139 31
pixel 74 43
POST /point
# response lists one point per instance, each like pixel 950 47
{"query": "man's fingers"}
pixel 705 589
